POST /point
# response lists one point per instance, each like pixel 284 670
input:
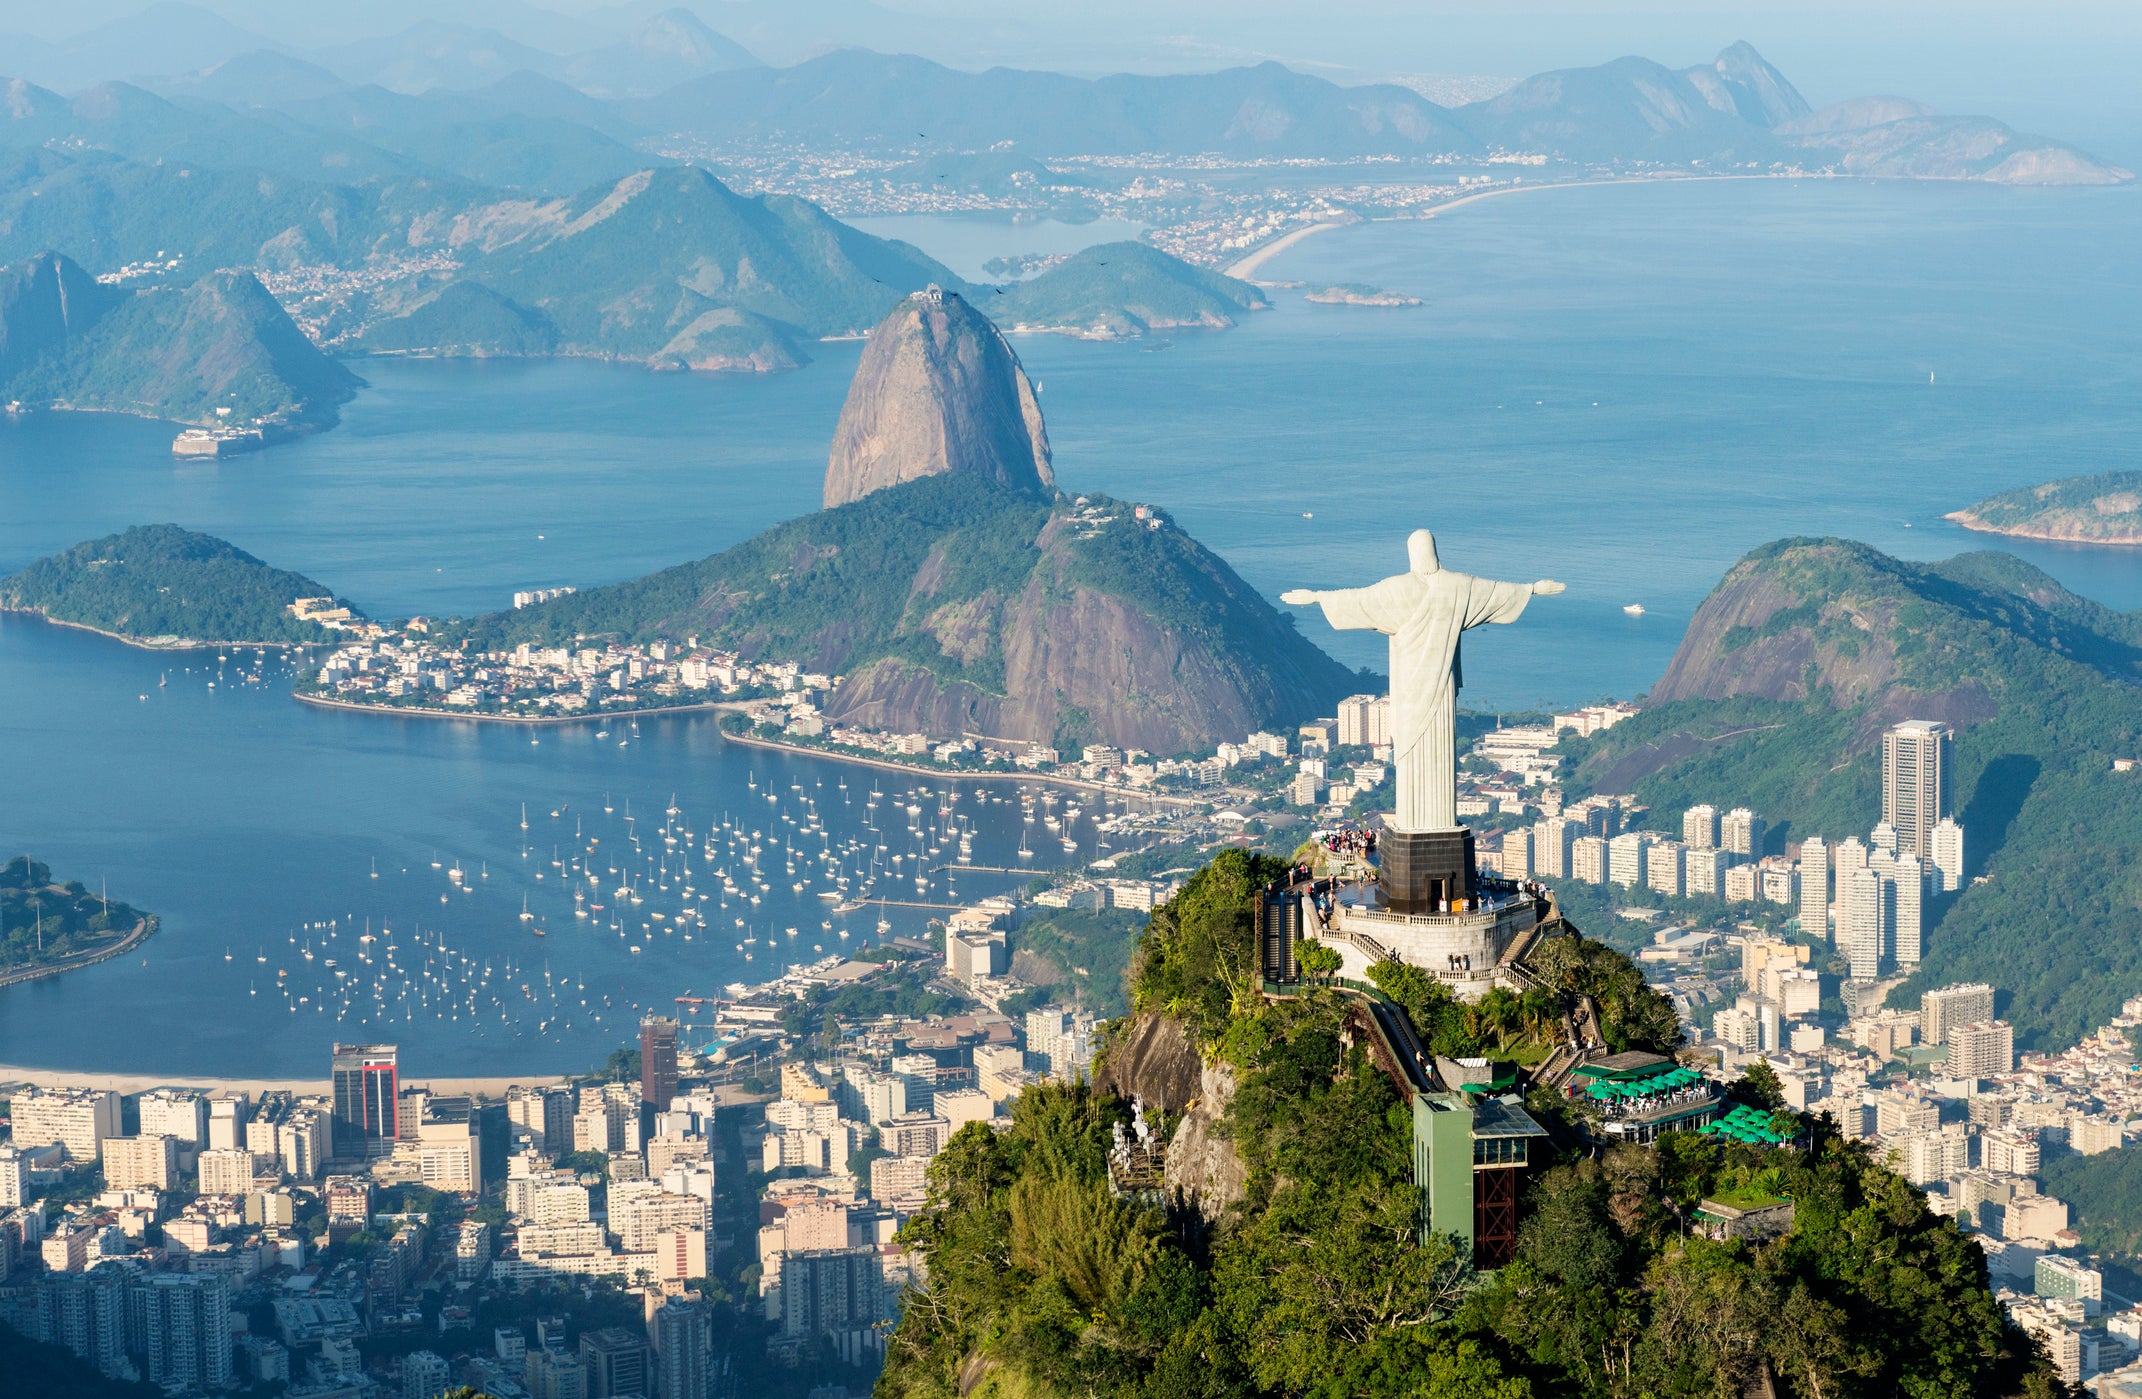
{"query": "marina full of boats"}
pixel 805 871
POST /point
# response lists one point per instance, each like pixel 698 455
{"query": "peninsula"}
pixel 2103 509
pixel 48 927
pixel 165 587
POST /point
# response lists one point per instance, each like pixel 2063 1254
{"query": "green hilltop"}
pixel 1296 1265
pixel 160 583
pixel 218 352
pixel 2104 509
pixel 1122 289
pixel 952 604
pixel 672 267
pixel 1809 648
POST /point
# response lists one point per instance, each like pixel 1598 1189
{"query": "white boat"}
pixel 1634 609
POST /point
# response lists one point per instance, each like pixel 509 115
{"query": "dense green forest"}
pixel 2106 1190
pixel 155 581
pixel 1044 1282
pixel 1085 955
pixel 2044 688
pixel 41 921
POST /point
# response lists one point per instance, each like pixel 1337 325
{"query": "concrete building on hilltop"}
pixel 1699 827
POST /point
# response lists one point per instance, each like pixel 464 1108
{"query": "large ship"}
pixel 217 442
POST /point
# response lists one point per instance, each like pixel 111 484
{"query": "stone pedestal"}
pixel 1425 871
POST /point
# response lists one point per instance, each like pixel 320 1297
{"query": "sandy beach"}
pixel 1246 267
pixel 12 1074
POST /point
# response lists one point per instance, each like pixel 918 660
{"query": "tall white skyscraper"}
pixel 1910 903
pixel 1847 855
pixel 1815 887
pixel 1699 827
pixel 1863 921
pixel 1949 854
pixel 1916 758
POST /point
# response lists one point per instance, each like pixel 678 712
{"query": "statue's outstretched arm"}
pixel 1547 587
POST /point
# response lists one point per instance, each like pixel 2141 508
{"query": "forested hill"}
pixel 1809 648
pixel 220 352
pixel 1293 1266
pixel 2103 509
pixel 163 584
pixel 1120 290
pixel 953 605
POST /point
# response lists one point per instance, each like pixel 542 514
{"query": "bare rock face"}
pixel 1204 1169
pixel 938 390
pixel 1151 1059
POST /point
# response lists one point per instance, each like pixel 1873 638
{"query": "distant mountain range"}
pixel 217 352
pixel 443 100
pixel 673 268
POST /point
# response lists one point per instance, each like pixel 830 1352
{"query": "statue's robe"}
pixel 1425 614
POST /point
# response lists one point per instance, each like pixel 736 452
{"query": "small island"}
pixel 1359 294
pixel 2103 509
pixel 47 928
pixel 169 588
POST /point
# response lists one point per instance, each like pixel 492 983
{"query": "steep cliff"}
pixel 938 390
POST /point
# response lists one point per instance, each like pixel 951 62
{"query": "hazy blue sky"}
pixel 2065 68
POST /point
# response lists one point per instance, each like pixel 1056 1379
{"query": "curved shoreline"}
pixel 178 644
pixel 1246 266
pixel 952 774
pixel 76 962
pixel 594 717
pixel 1977 525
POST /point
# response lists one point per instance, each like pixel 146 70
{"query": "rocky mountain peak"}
pixel 938 391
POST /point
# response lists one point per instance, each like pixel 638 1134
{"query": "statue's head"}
pixel 1420 552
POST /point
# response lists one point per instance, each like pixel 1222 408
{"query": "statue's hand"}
pixel 1547 587
pixel 1297 597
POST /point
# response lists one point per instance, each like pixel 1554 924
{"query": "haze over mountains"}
pixel 671 74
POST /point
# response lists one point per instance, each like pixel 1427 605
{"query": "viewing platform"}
pixel 1466 950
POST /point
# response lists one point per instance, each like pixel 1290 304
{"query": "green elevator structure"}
pixel 1470 1154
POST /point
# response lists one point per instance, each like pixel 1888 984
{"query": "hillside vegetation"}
pixel 953 605
pixel 1809 648
pixel 218 352
pixel 1042 1282
pixel 1123 289
pixel 2105 509
pixel 160 582
pixel 43 921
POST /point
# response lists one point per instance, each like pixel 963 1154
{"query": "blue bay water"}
pixel 1624 388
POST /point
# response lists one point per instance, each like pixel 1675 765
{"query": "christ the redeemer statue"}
pixel 1424 611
